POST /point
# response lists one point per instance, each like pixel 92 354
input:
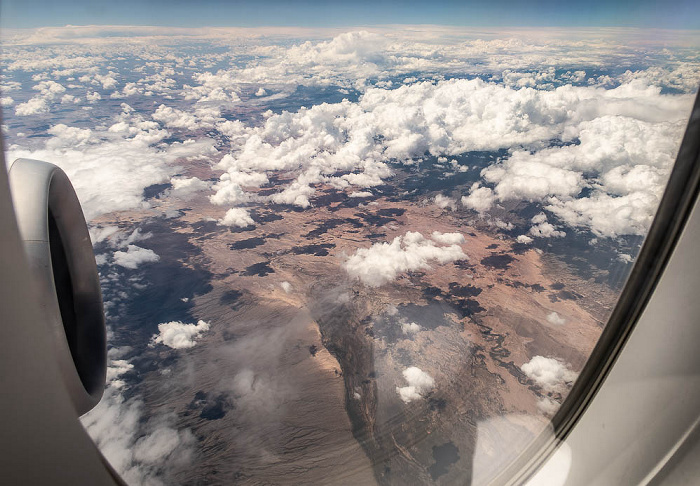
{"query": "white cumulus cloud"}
pixel 447 238
pixel 444 202
pixel 383 262
pixel 410 328
pixel 134 256
pixel 549 373
pixel 34 106
pixel 174 118
pixel 237 217
pixel 419 383
pixel 178 335
pixel 555 318
pixel 186 187
pixel 480 199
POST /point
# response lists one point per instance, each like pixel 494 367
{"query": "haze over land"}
pixel 365 256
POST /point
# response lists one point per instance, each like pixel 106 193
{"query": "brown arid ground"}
pixel 307 361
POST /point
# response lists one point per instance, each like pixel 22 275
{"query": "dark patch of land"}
pixel 437 404
pixel 328 198
pixel 430 176
pixel 464 290
pixel 330 224
pixel 567 295
pixel 520 248
pixel 391 212
pixel 261 217
pixel 205 228
pixel 444 455
pixel 238 229
pixel 211 407
pixel 230 298
pixel 376 219
pixel 247 243
pixel 268 192
pixel 458 298
pixel 429 316
pixel 177 275
pixel 155 190
pixel 316 250
pixel 499 261
pixel 260 269
pixel 464 264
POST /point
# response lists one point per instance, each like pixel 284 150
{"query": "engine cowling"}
pixel 58 247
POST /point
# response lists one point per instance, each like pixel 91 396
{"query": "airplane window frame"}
pixel 679 198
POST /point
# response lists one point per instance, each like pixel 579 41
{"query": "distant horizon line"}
pixel 357 26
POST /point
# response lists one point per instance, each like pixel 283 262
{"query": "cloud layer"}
pixel 143 450
pixel 111 166
pixel 436 91
pixel 617 143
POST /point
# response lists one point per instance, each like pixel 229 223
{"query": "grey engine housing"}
pixel 59 251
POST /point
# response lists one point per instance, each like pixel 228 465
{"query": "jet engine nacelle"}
pixel 60 255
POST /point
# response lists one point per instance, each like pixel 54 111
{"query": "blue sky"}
pixel 683 14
